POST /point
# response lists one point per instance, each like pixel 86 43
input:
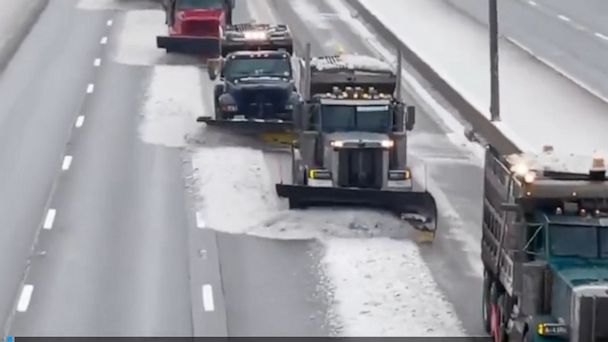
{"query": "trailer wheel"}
pixel 486 305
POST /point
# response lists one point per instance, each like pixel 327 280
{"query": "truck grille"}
pixel 262 103
pixel 360 168
pixel 201 28
pixel 593 318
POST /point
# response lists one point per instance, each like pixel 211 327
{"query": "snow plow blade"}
pixel 190 45
pixel 419 208
pixel 271 131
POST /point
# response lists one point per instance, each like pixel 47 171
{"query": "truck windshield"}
pixel 202 4
pixel 579 241
pixel 257 67
pixel 337 118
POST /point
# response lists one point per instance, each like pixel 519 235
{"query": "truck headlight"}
pixel 552 329
pixel 388 143
pixel 255 35
pixel 530 177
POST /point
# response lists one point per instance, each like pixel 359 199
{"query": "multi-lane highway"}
pixel 570 36
pixel 120 216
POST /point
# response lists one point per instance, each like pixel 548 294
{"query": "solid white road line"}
pixel 25 297
pixel 79 121
pixel 67 162
pixel 50 219
pixel 564 18
pixel 208 298
pixel 104 41
pixel 200 222
pixel 90 88
pixel 601 36
pixel 97 62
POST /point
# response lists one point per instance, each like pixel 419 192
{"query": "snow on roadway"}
pixel 384 289
pixel 378 280
pixel 539 106
pixel 168 116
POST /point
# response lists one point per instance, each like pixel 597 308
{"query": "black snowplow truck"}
pixel 545 247
pixel 351 146
pixel 256 93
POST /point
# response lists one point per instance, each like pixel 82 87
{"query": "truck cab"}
pixel 358 126
pixel 195 26
pixel 351 146
pixel 356 131
pixel 255 85
pixel 545 248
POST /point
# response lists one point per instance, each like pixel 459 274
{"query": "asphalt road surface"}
pixel 572 36
pixel 116 247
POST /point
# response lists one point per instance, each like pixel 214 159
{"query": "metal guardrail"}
pixel 481 129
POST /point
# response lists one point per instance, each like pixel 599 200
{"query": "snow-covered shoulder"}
pixel 351 62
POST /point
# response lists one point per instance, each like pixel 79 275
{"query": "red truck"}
pixel 195 26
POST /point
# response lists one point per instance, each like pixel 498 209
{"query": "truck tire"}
pixel 485 301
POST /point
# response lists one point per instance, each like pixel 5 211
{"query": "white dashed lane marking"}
pixel 208 304
pixel 200 222
pixel 601 36
pixel 25 298
pixel 104 40
pixel 90 88
pixel 564 18
pixel 67 162
pixel 50 219
pixel 97 62
pixel 79 121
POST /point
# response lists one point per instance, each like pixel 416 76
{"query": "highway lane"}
pixel 571 37
pixel 456 177
pixel 39 101
pixel 124 255
pixel 116 259
pixel 590 13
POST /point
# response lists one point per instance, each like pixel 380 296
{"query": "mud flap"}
pixel 267 130
pixel 190 45
pixel 418 208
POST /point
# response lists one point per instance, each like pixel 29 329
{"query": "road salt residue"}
pixel 173 101
pixel 383 288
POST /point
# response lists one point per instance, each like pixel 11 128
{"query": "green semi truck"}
pixel 545 247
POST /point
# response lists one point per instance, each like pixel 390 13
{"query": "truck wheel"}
pixel 485 301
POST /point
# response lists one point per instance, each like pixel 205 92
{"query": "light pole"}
pixel 494 79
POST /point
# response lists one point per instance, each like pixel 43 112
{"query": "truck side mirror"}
pixel 410 119
pixel 213 68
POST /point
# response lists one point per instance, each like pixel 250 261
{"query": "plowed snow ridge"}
pixel 381 286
